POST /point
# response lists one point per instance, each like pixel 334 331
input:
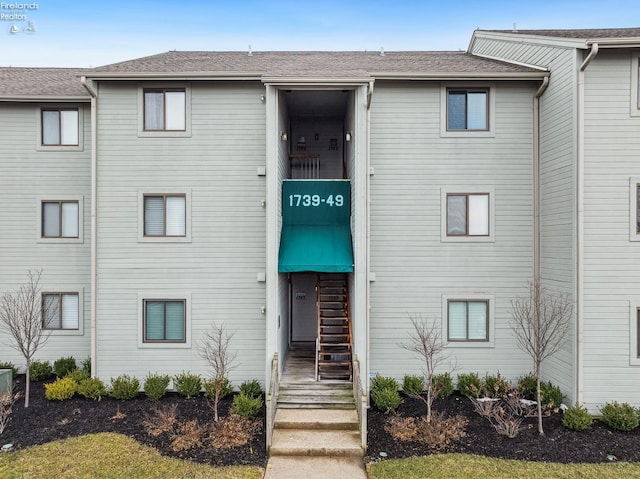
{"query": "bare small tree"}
pixel 541 322
pixel 426 342
pixel 24 316
pixel 214 349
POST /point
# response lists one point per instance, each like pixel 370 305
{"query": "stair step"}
pixel 294 442
pixel 317 419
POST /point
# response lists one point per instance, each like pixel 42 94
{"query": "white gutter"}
pixel 94 226
pixel 47 99
pixel 580 229
pixel 536 177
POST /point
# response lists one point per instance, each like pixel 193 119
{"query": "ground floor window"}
pixel 467 320
pixel 164 320
pixel 60 310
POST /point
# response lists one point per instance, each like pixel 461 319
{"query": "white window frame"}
pixel 142 192
pixel 60 106
pixel 60 198
pixel 467 190
pixel 467 296
pixel 491 105
pixel 186 133
pixel 72 289
pixel 634 107
pixel 165 296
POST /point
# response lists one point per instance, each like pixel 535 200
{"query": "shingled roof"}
pixel 41 83
pixel 580 34
pixel 312 64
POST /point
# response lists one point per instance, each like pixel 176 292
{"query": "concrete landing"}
pixel 287 467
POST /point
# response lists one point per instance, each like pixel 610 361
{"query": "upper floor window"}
pixel 60 310
pixel 165 109
pixel 467 320
pixel 60 127
pixel 60 219
pixel 467 110
pixel 164 215
pixel 468 214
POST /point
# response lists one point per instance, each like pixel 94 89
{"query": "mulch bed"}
pixel 597 444
pixel 46 421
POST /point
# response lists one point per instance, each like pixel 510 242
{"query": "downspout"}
pixel 580 229
pixel 94 237
pixel 365 380
pixel 536 177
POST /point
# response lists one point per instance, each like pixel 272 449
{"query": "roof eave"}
pixel 533 75
pixel 128 76
pixel 45 98
pixel 528 38
pixel 615 42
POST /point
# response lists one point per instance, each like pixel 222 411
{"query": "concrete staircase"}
pixel 316 430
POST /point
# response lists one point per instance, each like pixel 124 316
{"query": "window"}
pixel 164 215
pixel 467 320
pixel 164 321
pixel 468 214
pixel 165 109
pixel 467 110
pixel 60 310
pixel 60 127
pixel 60 219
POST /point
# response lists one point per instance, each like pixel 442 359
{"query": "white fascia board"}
pixel 531 39
pixel 182 76
pixel 47 99
pixel 536 75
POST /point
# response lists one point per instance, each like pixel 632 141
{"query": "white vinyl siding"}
pixel 60 310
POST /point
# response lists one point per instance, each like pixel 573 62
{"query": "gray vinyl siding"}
pixel 612 272
pixel 413 267
pixel 558 113
pixel 26 174
pixel 218 268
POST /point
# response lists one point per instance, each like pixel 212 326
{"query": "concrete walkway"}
pixel 303 467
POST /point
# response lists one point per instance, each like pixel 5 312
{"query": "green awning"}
pixel 321 248
pixel 316 227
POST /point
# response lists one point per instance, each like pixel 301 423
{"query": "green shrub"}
pixel 551 395
pixel 495 386
pixel 124 387
pixel 64 366
pixel 382 382
pixel 155 385
pixel 251 389
pixel 443 384
pixel 187 384
pixel 60 389
pixel 413 384
pixel 9 365
pixel 246 406
pixel 386 399
pixel 86 366
pixel 577 418
pixel 469 385
pixel 527 387
pixel 92 388
pixel 40 370
pixel 621 417
pixel 209 388
pixel 77 375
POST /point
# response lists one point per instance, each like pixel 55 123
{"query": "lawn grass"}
pixel 108 455
pixel 478 467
